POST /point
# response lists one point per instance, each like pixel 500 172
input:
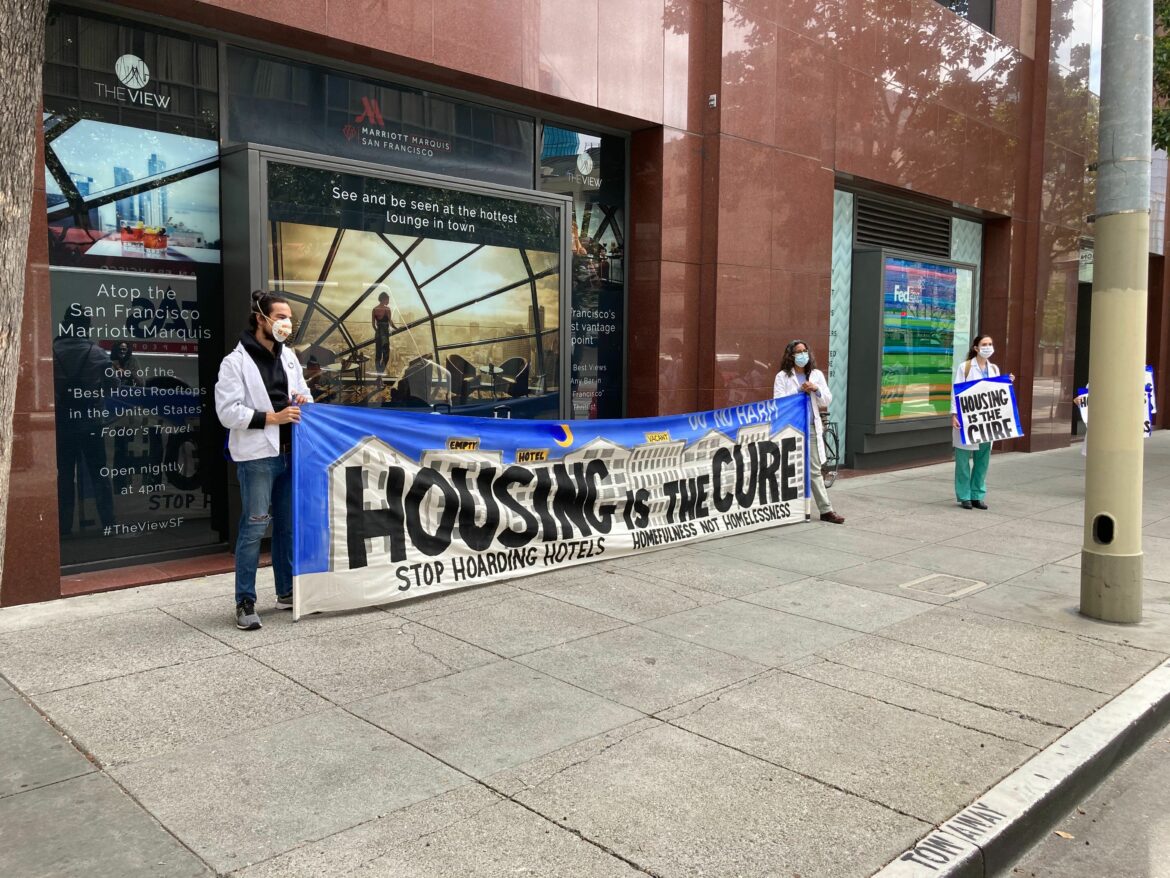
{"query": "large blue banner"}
pixel 392 505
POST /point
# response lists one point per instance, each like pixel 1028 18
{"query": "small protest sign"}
pixel 987 411
pixel 1149 406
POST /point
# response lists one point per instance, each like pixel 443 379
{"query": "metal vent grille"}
pixel 900 227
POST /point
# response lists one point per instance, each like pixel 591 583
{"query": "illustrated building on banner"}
pixel 642 466
pixel 616 458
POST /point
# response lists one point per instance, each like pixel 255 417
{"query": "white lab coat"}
pixel 240 393
pixel 968 370
pixel 788 385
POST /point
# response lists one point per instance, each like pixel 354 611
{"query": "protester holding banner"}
pixel 258 398
pixel 799 374
pixel 971 462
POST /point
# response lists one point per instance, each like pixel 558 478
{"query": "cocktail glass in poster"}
pixel 918 331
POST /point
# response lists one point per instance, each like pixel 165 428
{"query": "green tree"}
pixel 1162 74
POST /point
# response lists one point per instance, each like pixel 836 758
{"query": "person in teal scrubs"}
pixel 971 462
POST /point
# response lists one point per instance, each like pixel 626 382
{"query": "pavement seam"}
pixel 708 700
pixel 618 627
pixel 733 655
pixel 1084 636
pixel 100 771
pixel 135 673
pixel 53 783
pixel 483 783
pixel 816 780
pixel 652 714
pixel 881 636
pixel 211 869
pixel 625 622
pixel 437 758
pixel 227 595
pixel 126 676
pixel 1016 713
pixel 796 672
pixel 223 637
pixel 727 597
pixel 359 825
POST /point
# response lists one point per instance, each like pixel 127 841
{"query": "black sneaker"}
pixel 246 617
pixel 284 602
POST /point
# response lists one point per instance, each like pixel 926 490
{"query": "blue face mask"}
pixel 801 359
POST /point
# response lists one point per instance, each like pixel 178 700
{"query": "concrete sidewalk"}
pixel 803 701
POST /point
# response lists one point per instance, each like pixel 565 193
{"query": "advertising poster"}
pixel 409 295
pixel 133 225
pixel 591 170
pixel 918 338
pixel 128 405
pixel 131 194
pixel 394 505
pixel 987 411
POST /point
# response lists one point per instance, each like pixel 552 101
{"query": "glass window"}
pixel 413 295
pixel 979 12
pixel 591 170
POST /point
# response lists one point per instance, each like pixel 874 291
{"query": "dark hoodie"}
pixel 272 373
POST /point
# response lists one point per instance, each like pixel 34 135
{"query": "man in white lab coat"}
pixel 258 398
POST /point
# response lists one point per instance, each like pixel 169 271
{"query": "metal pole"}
pixel 1111 557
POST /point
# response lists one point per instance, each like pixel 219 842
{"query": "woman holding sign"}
pixel 971 462
pixel 799 374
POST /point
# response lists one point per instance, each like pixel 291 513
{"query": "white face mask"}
pixel 281 329
pixel 986 351
pixel 801 359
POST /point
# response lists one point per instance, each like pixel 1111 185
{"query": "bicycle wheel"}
pixel 832 451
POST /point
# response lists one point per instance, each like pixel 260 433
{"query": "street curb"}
pixel 987 837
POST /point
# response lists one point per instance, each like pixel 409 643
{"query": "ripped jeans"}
pixel 265 484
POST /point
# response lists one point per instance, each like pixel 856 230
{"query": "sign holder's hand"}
pixel 290 415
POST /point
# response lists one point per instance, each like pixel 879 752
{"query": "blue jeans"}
pixel 265 484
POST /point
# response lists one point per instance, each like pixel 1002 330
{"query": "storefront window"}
pixel 406 294
pixel 919 336
pixel 300 106
pixel 132 189
pixel 592 170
